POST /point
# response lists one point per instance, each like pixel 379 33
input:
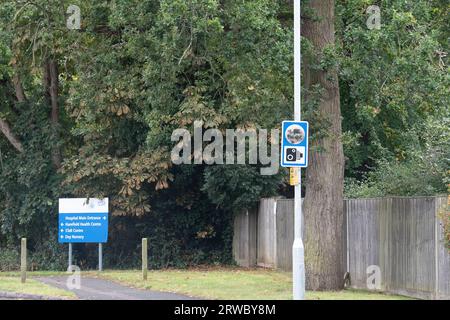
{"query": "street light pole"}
pixel 298 251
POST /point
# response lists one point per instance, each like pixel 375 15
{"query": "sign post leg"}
pixel 100 257
pixel 298 253
pixel 70 255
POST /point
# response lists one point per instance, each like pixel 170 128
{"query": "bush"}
pixel 48 255
pixel 9 259
pixel 395 178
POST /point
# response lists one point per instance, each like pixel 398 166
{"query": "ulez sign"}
pixel 83 221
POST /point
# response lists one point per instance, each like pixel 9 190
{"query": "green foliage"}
pixel 136 71
pixel 395 97
pixel 444 215
pixel 424 172
pixel 48 255
pixel 396 179
pixel 139 69
pixel 9 259
pixel 243 186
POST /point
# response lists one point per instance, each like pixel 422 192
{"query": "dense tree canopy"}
pixel 395 87
pixel 90 112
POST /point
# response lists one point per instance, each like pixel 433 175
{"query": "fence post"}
pixel 23 260
pixel 144 259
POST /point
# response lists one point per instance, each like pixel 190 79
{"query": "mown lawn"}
pixel 231 283
pixel 13 285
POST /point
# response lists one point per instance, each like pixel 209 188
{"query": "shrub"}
pixel 9 259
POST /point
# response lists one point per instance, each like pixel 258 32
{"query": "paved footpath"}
pixel 99 289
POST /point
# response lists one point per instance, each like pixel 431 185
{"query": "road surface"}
pixel 99 289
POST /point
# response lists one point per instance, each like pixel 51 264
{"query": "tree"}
pixel 395 93
pixel 323 204
pixel 10 136
pixel 90 112
pixel 102 102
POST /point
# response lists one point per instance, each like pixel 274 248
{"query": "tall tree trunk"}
pixel 5 128
pixel 20 94
pixel 323 206
pixel 51 85
pixel 10 136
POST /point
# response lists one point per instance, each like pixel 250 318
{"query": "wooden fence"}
pixel 403 237
pixel 245 239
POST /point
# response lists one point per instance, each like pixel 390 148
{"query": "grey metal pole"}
pixel 298 251
pixel 100 257
pixel 70 255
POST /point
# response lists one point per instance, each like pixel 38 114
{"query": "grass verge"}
pixel 231 283
pixel 34 287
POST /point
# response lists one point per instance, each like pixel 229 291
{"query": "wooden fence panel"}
pixel 266 256
pixel 363 239
pixel 284 234
pixel 402 236
pixel 442 253
pixel 244 238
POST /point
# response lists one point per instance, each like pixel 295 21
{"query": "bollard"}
pixel 23 260
pixel 144 259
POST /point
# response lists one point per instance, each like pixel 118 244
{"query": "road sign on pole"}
pixel 293 176
pixel 298 251
pixel 70 255
pixel 83 221
pixel 294 144
pixel 100 257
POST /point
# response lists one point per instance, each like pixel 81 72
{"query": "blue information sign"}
pixel 294 144
pixel 82 221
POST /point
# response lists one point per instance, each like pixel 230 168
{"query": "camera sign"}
pixel 294 144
